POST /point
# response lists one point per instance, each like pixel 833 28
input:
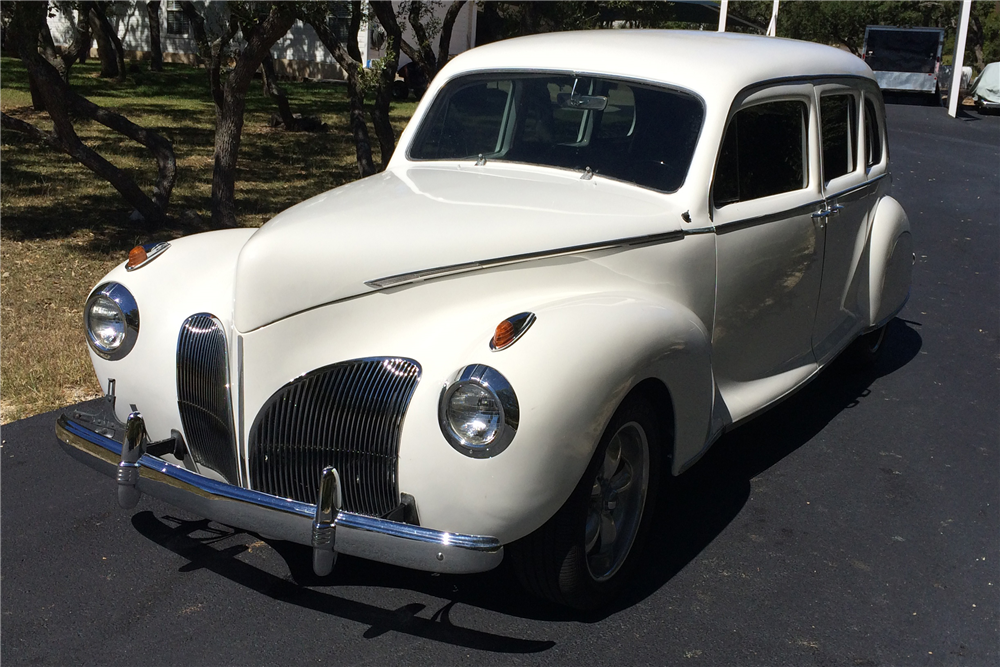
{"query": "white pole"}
pixel 723 10
pixel 772 28
pixel 956 75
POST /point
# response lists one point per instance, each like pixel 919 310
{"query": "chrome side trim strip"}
pixel 856 188
pixel 770 217
pixel 781 215
pixel 404 278
pixel 392 542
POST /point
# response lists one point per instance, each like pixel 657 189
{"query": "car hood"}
pixel 347 241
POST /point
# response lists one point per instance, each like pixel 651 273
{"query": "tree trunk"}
pixel 447 27
pixel 210 51
pixel 228 133
pixel 270 82
pixel 37 103
pixel 116 42
pixel 229 115
pixel 383 94
pixel 47 47
pixel 349 58
pixel 105 49
pixel 78 48
pixel 86 39
pixel 423 54
pixel 426 60
pixel 276 93
pixel 62 103
pixel 359 127
pixel 153 13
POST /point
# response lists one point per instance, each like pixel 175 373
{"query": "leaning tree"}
pixel 64 106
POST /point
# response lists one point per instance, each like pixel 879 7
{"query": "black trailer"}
pixel 904 59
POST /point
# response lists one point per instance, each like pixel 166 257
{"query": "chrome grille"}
pixel 347 415
pixel 203 396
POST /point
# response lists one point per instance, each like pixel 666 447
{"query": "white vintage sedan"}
pixel 591 255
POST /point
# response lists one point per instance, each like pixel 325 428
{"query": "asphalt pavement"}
pixel 856 524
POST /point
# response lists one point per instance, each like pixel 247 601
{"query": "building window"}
pixel 340 21
pixel 178 25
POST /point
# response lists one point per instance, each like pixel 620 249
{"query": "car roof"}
pixel 712 64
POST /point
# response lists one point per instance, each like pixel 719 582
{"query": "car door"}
pixel 770 249
pixel 843 221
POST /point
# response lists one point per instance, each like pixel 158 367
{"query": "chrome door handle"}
pixel 822 213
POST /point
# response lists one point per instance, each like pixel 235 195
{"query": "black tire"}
pixel 554 562
pixel 868 348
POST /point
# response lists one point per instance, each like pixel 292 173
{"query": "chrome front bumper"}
pixel 327 530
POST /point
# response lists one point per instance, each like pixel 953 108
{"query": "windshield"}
pixel 617 129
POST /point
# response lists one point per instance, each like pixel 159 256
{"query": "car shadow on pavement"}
pixel 217 548
pixel 691 512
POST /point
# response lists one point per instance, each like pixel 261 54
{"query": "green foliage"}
pixel 369 78
pixel 843 23
pixel 991 30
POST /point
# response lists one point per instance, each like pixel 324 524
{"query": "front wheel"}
pixel 586 552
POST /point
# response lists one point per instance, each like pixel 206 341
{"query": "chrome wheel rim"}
pixel 617 498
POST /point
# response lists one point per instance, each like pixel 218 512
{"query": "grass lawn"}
pixel 62 228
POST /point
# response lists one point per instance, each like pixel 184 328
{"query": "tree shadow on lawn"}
pixel 54 198
pixel 291 166
pixel 690 514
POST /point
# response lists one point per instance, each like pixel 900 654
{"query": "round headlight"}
pixel 111 320
pixel 474 414
pixel 479 412
pixel 106 323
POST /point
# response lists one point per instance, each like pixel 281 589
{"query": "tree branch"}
pixel 444 43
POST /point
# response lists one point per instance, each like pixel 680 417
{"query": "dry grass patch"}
pixel 62 228
pixel 43 357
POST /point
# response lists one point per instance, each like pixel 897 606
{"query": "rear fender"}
pixel 891 265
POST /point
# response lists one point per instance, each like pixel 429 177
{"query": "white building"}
pixel 298 54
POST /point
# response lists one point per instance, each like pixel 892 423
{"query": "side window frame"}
pixel 827 89
pixel 855 146
pixel 780 92
pixel 874 99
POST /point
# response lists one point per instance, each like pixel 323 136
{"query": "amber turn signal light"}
pixel 136 256
pixel 504 335
pixel 512 328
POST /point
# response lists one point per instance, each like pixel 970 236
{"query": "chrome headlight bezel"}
pixel 494 383
pixel 129 309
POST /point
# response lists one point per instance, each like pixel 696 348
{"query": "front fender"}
pixel 570 371
pixel 891 266
pixel 194 275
